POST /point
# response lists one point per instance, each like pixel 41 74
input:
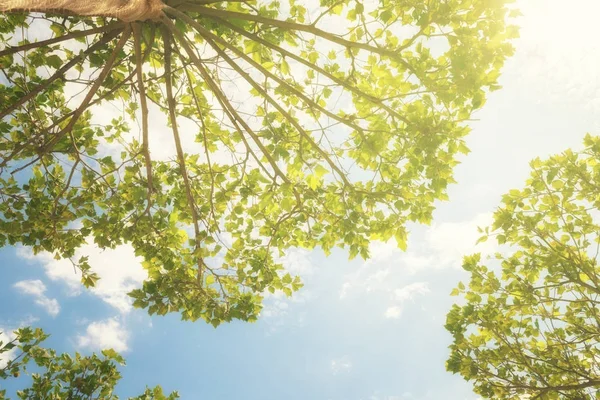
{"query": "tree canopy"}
pixel 529 325
pixel 308 136
pixel 61 376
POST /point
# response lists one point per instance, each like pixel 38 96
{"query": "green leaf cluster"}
pixel 529 322
pixel 342 138
pixel 62 376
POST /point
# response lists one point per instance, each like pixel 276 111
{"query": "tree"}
pixel 347 135
pixel 530 327
pixel 63 376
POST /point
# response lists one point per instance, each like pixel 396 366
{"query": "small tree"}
pixel 61 376
pixel 531 328
pixel 295 167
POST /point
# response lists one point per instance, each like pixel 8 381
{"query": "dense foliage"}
pixel 62 376
pixel 529 326
pixel 305 137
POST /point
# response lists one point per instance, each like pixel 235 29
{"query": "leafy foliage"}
pixel 532 326
pixel 309 138
pixel 61 376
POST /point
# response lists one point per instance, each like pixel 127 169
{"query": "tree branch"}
pixel 210 37
pixel 180 154
pixel 22 146
pixel 293 26
pixel 59 73
pixel 206 151
pixel 286 114
pixel 312 66
pixel 144 106
pixel 90 94
pixel 228 108
pixel 71 35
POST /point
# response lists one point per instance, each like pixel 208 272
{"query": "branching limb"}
pixel 22 146
pixel 312 66
pixel 90 94
pixel 60 73
pixel 212 38
pixel 293 26
pixel 228 108
pixel 279 108
pixel 206 151
pixel 272 101
pixel 71 35
pixel 285 113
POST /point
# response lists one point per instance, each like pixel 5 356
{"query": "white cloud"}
pixel 408 292
pixel 6 335
pixel 279 310
pixel 339 365
pixel 50 305
pixel 552 66
pixel 404 294
pixel 443 246
pixel 36 289
pixel 107 334
pixel 451 241
pixel 372 282
pixel 275 305
pixel 377 279
pixel 393 312
pixel 56 270
pixel 119 269
pixel 346 288
pixel 297 262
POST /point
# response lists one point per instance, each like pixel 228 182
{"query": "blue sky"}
pixel 358 330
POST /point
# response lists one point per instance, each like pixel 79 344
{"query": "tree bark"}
pixel 125 10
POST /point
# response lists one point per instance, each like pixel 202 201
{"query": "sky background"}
pixel 358 330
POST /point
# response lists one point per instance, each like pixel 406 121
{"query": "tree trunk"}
pixel 125 10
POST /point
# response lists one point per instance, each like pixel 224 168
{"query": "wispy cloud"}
pixel 442 246
pixel 395 274
pixel 408 292
pixel 340 365
pixel 393 312
pixel 404 294
pixel 278 309
pixel 37 289
pixel 119 269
